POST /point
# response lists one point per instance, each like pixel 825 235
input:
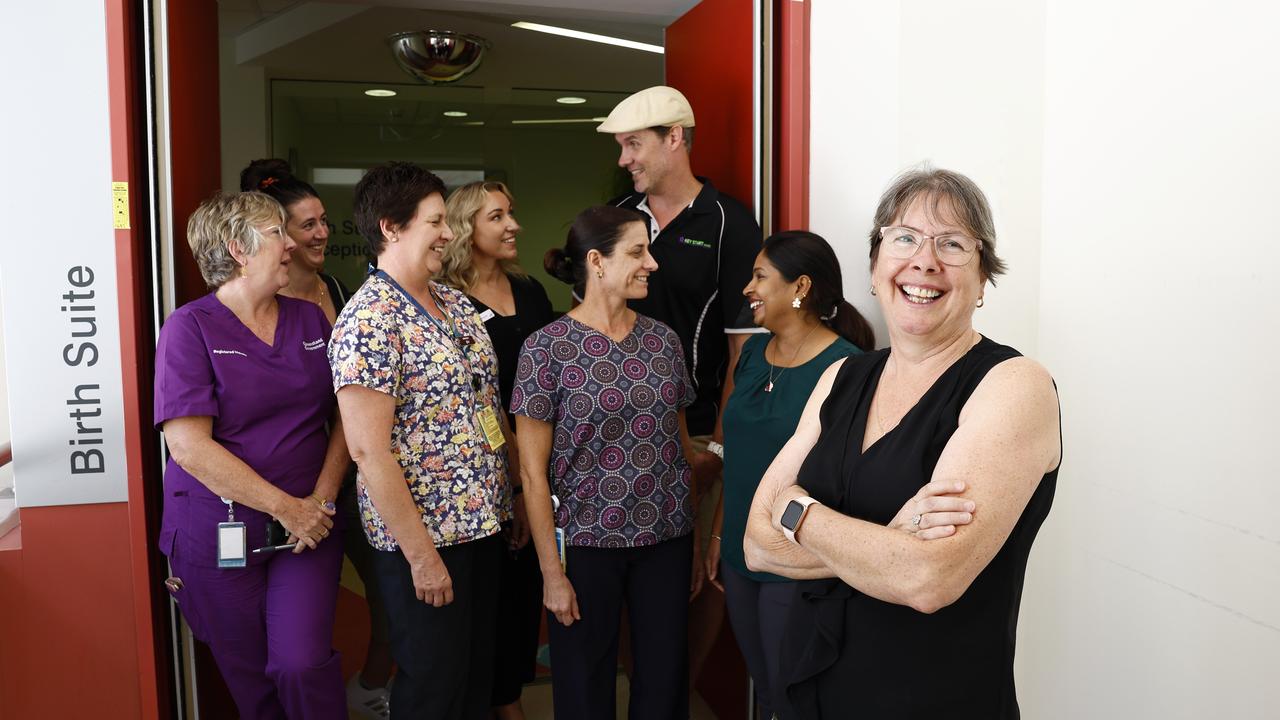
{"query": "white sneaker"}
pixel 373 704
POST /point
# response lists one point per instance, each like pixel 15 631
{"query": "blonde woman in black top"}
pixel 482 261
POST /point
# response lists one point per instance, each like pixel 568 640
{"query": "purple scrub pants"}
pixel 270 627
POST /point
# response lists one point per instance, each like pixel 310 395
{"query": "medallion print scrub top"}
pixel 616 464
pixel 441 377
pixel 269 405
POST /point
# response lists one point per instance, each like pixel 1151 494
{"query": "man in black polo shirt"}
pixel 705 243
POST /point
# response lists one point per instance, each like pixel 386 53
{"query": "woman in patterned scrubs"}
pixel 599 403
pixel 417 379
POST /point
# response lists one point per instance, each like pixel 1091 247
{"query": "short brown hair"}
pixel 665 130
pixel 967 204
pixel 391 192
pixel 224 219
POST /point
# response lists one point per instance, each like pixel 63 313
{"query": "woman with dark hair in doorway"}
pixel 308 226
pixel 599 401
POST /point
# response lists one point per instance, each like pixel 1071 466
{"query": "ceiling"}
pixel 346 41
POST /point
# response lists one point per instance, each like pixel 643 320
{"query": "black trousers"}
pixel 444 656
pixel 758 615
pixel 519 617
pixel 653 583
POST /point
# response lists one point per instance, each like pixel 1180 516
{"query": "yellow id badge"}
pixel 492 428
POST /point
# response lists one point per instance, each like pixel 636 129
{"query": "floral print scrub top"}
pixel 440 378
pixel 616 463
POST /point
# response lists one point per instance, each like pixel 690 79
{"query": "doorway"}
pixel 291 82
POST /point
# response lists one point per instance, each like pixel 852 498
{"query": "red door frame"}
pixel 791 68
pixel 136 343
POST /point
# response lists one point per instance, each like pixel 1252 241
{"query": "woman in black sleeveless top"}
pixel 962 430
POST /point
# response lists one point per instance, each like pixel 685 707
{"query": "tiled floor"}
pixel 537 702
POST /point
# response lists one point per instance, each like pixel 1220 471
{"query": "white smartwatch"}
pixel 793 517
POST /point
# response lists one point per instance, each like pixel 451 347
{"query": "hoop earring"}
pixel 873 291
pixel 981 302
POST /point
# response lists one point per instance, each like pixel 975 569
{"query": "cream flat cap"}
pixel 658 106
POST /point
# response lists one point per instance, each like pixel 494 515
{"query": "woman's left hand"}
pixel 519 536
pixel 935 511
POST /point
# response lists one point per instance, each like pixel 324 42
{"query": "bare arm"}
pixel 686 446
pixel 1006 441
pixel 369 416
pixel 736 341
pixel 190 441
pixel 534 437
pixel 519 515
pixel 336 461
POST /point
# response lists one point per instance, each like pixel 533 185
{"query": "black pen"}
pixel 274 548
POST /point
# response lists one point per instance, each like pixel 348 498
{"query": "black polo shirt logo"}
pixel 694 243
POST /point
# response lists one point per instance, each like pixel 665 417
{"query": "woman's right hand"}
pixel 560 599
pixel 935 511
pixel 306 520
pixel 431 580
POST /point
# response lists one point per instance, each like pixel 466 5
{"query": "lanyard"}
pixel 447 327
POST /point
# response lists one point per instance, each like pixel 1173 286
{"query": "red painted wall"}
pixel 71 649
pixel 709 58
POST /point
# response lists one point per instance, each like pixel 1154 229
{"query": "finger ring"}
pixel 915 521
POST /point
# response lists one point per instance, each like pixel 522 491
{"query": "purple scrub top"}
pixel 270 406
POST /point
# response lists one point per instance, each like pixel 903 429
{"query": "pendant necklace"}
pixel 769 386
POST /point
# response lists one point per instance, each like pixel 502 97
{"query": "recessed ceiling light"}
pixel 570 100
pixel 380 92
pixel 454 113
pixel 557 121
pixel 578 34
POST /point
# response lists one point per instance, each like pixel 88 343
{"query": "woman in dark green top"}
pixel 796 294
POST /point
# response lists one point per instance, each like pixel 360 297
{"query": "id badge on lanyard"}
pixel 486 416
pixel 232 540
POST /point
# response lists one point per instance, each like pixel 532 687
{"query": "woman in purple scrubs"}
pixel 243 397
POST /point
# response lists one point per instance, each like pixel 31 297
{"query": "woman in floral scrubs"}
pixel 417 379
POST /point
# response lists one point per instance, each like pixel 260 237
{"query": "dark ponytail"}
pixel 559 265
pixel 274 177
pixel 797 252
pixel 849 324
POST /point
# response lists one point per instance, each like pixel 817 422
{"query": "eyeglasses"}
pixel 276 231
pixel 952 248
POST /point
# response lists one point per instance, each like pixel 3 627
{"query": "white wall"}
pixel 1129 150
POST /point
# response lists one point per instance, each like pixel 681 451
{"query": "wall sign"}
pixel 58 287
